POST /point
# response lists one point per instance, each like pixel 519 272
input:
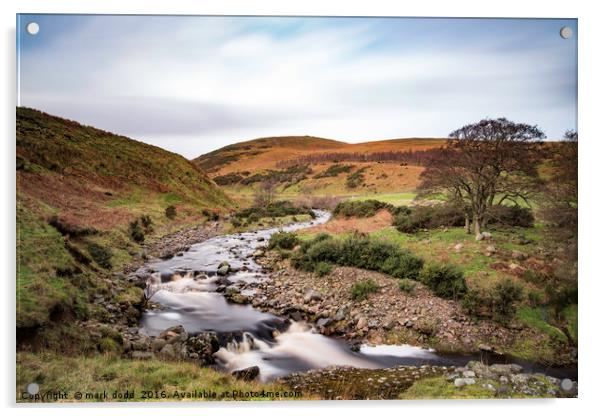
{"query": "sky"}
pixel 193 84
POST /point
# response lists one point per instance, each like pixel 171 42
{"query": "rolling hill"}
pixel 79 190
pixel 306 165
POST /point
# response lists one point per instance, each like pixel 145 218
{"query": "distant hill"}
pixel 305 165
pixel 265 150
pixel 79 188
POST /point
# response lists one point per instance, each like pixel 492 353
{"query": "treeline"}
pixel 409 157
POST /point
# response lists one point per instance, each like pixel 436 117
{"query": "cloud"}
pixel 193 84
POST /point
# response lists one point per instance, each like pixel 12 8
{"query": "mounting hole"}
pixel 33 28
pixel 566 32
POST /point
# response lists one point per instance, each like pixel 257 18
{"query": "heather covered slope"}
pixel 79 189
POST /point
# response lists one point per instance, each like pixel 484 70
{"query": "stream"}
pixel 278 346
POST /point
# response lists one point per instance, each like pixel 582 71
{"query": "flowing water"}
pixel 185 287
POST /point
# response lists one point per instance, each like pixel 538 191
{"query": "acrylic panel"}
pixel 295 208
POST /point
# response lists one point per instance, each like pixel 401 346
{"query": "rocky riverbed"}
pixel 498 380
pixel 389 316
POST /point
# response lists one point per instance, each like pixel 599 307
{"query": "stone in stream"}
pixel 247 374
pixel 223 269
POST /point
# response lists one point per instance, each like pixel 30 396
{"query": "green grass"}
pixel 570 315
pixel 440 388
pixel 100 373
pixel 537 318
pixel 397 199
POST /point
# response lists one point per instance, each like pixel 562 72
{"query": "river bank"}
pixel 191 289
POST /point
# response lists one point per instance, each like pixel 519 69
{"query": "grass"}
pixel 106 372
pixel 440 388
pixel 397 199
pixel 537 318
pixel 92 180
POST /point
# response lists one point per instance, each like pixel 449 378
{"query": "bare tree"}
pixel 485 164
pixel 266 193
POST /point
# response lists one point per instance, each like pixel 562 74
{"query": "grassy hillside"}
pixel 79 189
pixel 313 166
pixel 253 153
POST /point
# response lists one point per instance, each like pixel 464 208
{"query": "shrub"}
pixel 361 289
pixel 334 170
pixel 146 222
pixel 359 251
pixel 136 232
pixel 444 215
pixel 444 280
pixel 283 240
pixel 513 216
pixel 367 208
pixel 101 255
pixel 170 212
pixel 323 268
pixel 356 179
pixel 274 209
pixel 506 294
pixel 66 228
pixel 211 215
pixel 407 285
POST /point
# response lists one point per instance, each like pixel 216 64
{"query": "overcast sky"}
pixel 194 84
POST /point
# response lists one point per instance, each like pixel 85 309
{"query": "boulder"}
pixel 361 323
pixel 203 346
pixel 223 269
pixel 247 374
pixel 158 344
pixel 169 351
pixel 322 322
pixel 461 382
pixel 341 314
pixel 311 295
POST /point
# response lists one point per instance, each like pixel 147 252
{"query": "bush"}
pixel 334 170
pixel 513 216
pixel 444 280
pixel 356 179
pixel 71 230
pixel 367 208
pixel 361 289
pixel 411 220
pixel 407 285
pixel 359 251
pixel 506 294
pixel 211 215
pixel 136 232
pixel 283 240
pixel 274 209
pixel 101 255
pixel 147 223
pixel 170 212
pixel 323 268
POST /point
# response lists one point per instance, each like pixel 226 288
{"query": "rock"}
pixel 519 255
pixel 458 246
pixel 172 332
pixel 361 323
pixel 247 374
pixel 166 276
pixel 389 324
pixel 312 295
pixel 324 322
pixel 373 323
pixel 468 374
pixel 485 347
pixel 142 355
pixel 341 314
pixel 461 382
pixel 169 351
pixel 158 344
pixel 223 269
pixel 490 250
pixel 483 236
pixel 505 369
pixel 203 346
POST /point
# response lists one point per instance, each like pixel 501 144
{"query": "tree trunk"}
pixel 477 225
pixel 467 223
